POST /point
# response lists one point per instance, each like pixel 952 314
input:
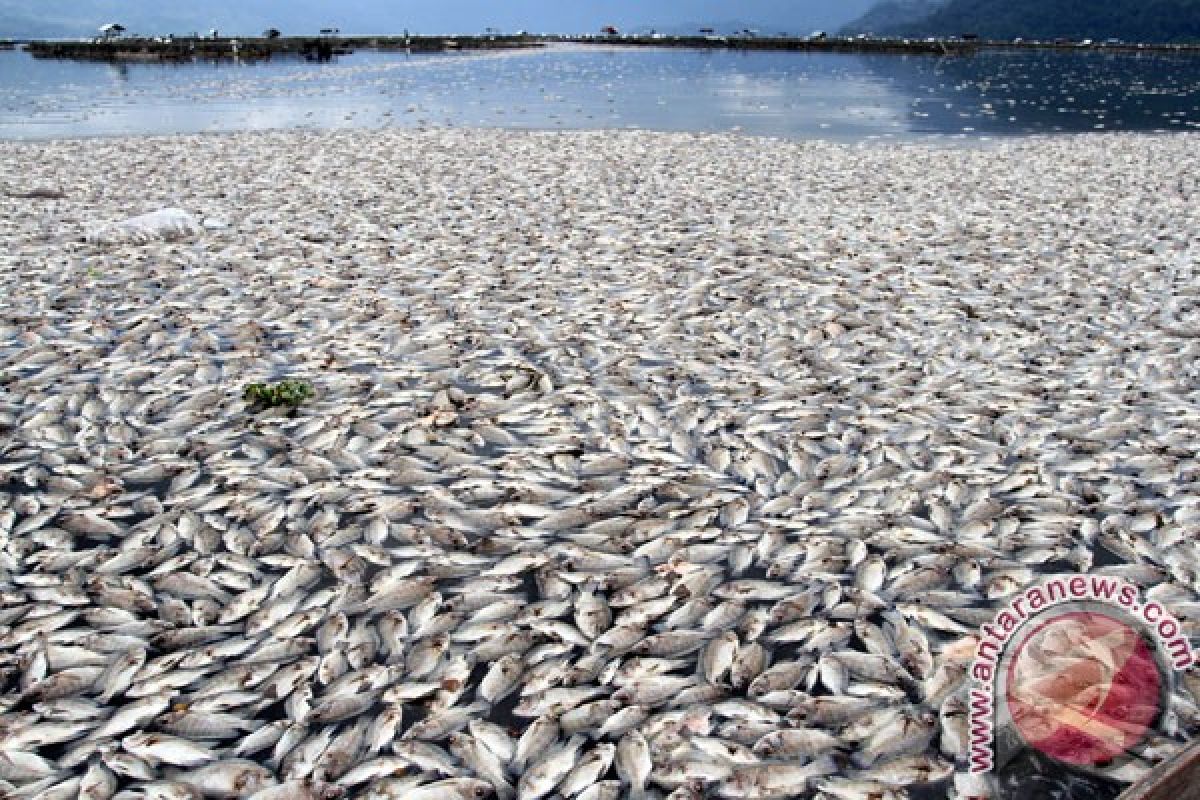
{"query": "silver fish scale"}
pixel 637 463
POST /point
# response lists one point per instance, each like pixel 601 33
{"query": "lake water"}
pixel 796 95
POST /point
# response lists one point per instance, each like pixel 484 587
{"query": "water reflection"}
pixel 800 95
pixel 1047 91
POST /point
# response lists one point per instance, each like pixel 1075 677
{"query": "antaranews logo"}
pixel 1079 668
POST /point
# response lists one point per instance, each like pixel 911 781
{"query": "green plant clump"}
pixel 290 393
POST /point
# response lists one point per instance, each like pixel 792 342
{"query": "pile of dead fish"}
pixel 638 465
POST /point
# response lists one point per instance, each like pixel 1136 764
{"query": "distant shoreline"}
pixel 317 48
pixel 320 48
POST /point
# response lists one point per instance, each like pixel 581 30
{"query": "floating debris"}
pixel 290 393
pixel 37 193
pixel 167 223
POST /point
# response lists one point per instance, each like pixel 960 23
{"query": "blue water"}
pixel 795 95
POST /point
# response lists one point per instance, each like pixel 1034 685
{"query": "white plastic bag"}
pixel 167 223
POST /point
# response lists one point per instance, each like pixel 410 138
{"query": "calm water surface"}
pixel 795 95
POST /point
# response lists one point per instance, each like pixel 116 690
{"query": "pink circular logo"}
pixel 1084 687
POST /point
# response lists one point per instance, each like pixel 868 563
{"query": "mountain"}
pixel 21 18
pixel 723 27
pixel 892 14
pixel 24 18
pixel 1128 20
pixel 27 26
pixel 689 28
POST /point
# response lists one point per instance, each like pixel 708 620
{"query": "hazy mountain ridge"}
pixel 29 27
pixel 1128 20
pixel 693 28
pixel 23 18
pixel 71 18
pixel 724 27
pixel 892 14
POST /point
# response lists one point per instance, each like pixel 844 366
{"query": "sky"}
pixel 301 17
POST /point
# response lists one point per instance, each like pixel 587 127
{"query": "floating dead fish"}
pixel 615 481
